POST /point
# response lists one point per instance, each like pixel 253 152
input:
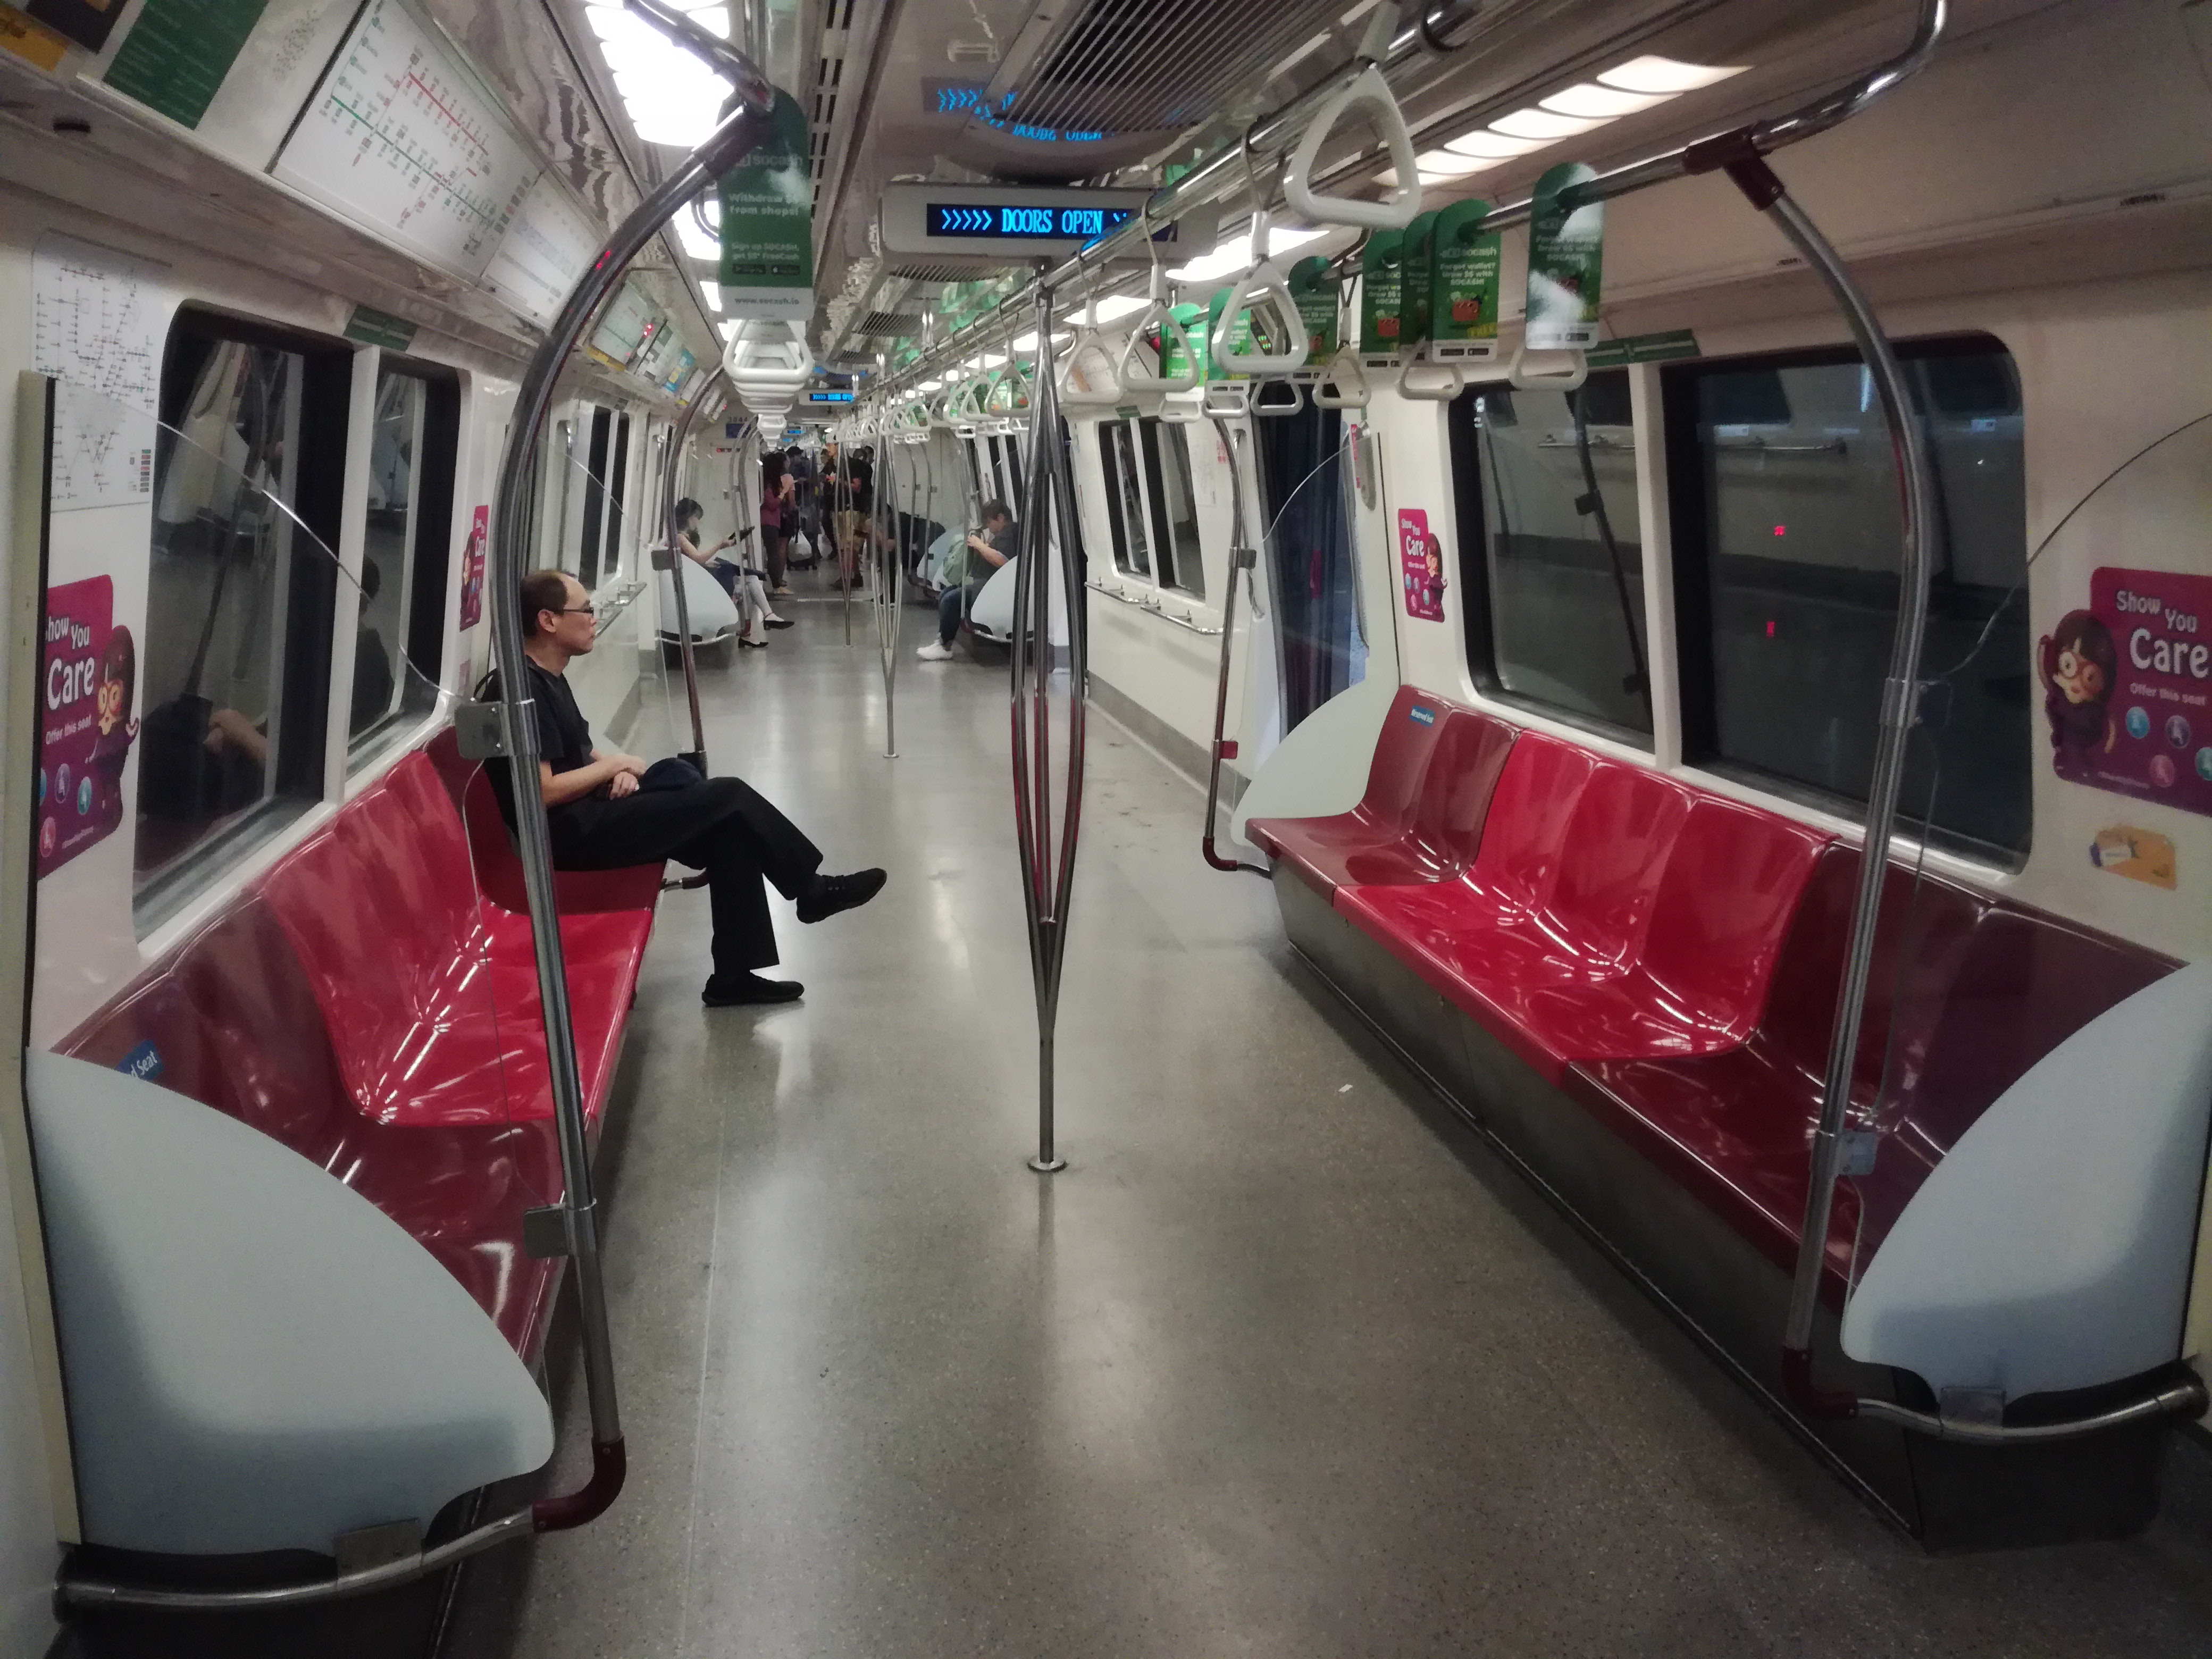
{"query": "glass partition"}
pixel 1312 556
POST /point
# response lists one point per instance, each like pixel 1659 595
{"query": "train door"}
pixel 1320 634
pixel 595 497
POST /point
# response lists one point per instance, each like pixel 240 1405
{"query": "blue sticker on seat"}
pixel 1427 716
pixel 143 1062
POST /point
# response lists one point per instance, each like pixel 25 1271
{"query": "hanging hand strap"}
pixel 1365 90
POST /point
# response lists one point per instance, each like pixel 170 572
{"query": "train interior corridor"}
pixel 1285 1362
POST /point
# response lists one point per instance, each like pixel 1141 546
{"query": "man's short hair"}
pixel 542 590
pixel 997 510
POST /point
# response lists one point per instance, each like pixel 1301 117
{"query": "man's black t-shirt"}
pixel 564 736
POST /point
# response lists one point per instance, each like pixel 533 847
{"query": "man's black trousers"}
pixel 723 826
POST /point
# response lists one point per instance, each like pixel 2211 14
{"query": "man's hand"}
pixel 622 783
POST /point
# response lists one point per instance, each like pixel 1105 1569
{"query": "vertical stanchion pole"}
pixel 1048 860
pixel 887 601
pixel 677 573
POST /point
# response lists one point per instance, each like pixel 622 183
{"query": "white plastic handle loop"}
pixel 1277 407
pixel 1184 408
pixel 1073 397
pixel 1524 378
pixel 1258 284
pixel 1226 400
pixel 1435 383
pixel 1365 90
pixel 1134 378
pixel 1343 372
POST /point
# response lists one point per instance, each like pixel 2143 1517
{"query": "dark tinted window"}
pixel 1548 514
pixel 1175 507
pixel 399 632
pixel 1786 549
pixel 1124 505
pixel 242 582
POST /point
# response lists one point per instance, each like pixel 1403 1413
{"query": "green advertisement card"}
pixel 1417 282
pixel 1463 310
pixel 768 224
pixel 1382 294
pixel 1315 289
pixel 1566 262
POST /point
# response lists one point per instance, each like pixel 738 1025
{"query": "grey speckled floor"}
pixel 1283 1364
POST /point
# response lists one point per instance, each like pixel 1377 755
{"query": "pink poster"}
pixel 2127 688
pixel 472 569
pixel 88 680
pixel 1420 566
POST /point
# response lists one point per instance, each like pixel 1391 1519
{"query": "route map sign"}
pixel 99 320
pixel 401 137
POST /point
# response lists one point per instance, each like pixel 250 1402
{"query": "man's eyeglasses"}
pixel 578 610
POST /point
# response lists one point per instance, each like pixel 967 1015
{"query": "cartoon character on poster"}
pixel 2127 686
pixel 1420 566
pixel 472 569
pixel 2078 667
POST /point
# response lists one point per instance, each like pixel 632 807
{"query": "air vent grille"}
pixel 890 324
pixel 1145 65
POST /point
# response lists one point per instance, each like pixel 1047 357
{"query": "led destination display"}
pixel 1027 221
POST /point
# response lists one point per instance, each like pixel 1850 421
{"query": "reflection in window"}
pixel 1175 509
pixel 1787 558
pixel 1560 620
pixel 1314 579
pixel 240 592
pixel 399 627
pixel 1125 504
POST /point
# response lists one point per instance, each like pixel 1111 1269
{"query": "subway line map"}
pixel 400 138
pixel 98 321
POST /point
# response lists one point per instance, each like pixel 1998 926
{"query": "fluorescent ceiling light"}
pixel 1120 304
pixel 1441 164
pixel 671 96
pixel 1494 145
pixel 1028 342
pixel 931 385
pixel 1602 103
pixel 1233 256
pixel 1654 74
pixel 1542 125
pixel 711 294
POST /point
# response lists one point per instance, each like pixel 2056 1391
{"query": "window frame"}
pixel 1681 462
pixel 1153 435
pixel 1470 520
pixel 429 554
pixel 1116 499
pixel 307 591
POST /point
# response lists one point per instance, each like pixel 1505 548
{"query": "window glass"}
pixel 1174 509
pixel 586 568
pixel 240 589
pixel 1787 558
pixel 617 494
pixel 1010 475
pixel 399 634
pixel 1125 502
pixel 1547 508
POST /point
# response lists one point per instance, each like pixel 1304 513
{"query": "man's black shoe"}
pixel 737 990
pixel 831 894
pixel 779 621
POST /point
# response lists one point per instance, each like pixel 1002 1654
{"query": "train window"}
pixel 595 497
pixel 399 627
pixel 1547 497
pixel 1786 551
pixel 241 586
pixel 617 494
pixel 1125 501
pixel 1175 508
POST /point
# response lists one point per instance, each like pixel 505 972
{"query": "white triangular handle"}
pixel 1367 90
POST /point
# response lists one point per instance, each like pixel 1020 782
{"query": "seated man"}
pixel 1000 542
pixel 605 809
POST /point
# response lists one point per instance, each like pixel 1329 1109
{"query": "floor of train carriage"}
pixel 1284 1363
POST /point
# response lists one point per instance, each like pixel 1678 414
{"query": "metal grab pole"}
pixel 738 132
pixel 676 561
pixel 1243 559
pixel 1047 869
pixel 887 607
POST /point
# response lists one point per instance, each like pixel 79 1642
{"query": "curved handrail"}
pixel 1153 607
pixel 1367 90
pixel 1243 559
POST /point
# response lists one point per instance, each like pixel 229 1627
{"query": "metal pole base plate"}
pixel 1043 1167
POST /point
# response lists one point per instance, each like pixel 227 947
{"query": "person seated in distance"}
pixel 605 809
pixel 1000 542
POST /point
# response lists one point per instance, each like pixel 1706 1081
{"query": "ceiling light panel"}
pixel 1441 164
pixel 1602 103
pixel 1492 146
pixel 1654 74
pixel 1543 125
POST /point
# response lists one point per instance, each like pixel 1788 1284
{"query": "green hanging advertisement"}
pixel 1463 311
pixel 1566 262
pixel 768 224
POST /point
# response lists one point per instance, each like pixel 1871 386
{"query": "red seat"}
pixel 1608 912
pixel 430 992
pixel 1428 792
pixel 1988 989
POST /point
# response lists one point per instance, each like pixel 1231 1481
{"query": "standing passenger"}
pixel 605 809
